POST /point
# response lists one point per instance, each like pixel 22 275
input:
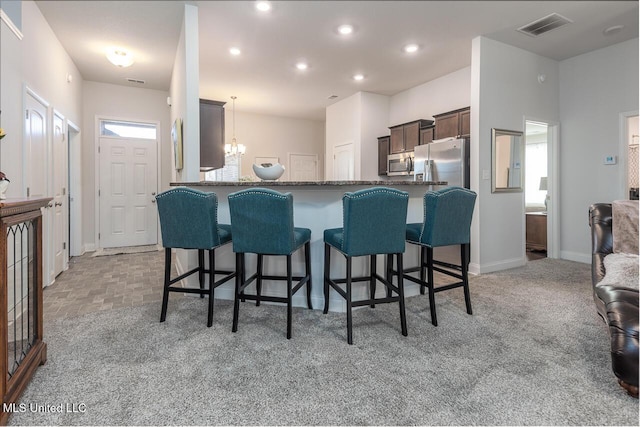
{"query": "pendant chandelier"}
pixel 234 148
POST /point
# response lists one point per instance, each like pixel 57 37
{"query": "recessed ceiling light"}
pixel 119 57
pixel 263 6
pixel 613 30
pixel 345 29
pixel 358 77
pixel 411 48
pixel 302 65
pixel 235 51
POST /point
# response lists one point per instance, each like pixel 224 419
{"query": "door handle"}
pixel 58 204
pixel 49 205
pixel 153 194
pixel 153 200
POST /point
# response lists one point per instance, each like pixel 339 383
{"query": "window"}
pixel 121 129
pixel 230 171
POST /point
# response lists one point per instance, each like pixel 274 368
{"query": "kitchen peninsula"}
pixel 317 206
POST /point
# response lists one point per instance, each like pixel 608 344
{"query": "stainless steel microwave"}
pixel 400 164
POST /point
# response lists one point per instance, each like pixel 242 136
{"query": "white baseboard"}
pixel 576 256
pixel 497 266
pixel 89 247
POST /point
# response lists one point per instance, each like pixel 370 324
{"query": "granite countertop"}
pixel 385 183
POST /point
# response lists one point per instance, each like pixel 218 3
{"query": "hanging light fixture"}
pixel 234 148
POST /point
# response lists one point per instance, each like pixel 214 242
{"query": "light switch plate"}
pixel 485 174
pixel 610 160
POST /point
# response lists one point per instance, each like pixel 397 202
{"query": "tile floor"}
pixel 104 283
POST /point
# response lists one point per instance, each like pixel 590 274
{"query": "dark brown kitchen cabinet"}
pixel 406 136
pixel 383 152
pixel 426 135
pixel 211 135
pixel 454 124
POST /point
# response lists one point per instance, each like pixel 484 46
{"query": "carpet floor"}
pixel 534 353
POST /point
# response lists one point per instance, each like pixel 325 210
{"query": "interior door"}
pixel 303 167
pixel 128 184
pixel 36 169
pixel 59 177
pixel 343 162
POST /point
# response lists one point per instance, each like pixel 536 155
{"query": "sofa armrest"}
pixel 600 220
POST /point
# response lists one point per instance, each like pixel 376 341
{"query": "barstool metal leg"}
pixel 432 295
pixel 307 271
pixel 236 299
pixel 372 280
pixel 389 275
pixel 349 316
pixel 327 263
pixel 201 270
pixel 403 316
pixel 167 279
pixel 423 255
pixel 212 277
pixel 289 296
pixel 464 256
pixel 259 280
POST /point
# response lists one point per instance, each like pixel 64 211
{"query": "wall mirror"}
pixel 507 161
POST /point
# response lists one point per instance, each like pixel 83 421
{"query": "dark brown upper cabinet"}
pixel 456 123
pixel 406 136
pixel 211 135
pixel 426 134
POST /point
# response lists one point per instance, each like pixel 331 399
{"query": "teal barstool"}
pixel 447 221
pixel 189 220
pixel 374 222
pixel 262 223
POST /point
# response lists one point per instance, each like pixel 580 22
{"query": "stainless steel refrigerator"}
pixel 444 160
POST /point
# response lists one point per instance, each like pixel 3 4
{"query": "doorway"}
pixel 74 191
pixel 343 162
pixel 630 152
pixel 536 187
pixel 128 184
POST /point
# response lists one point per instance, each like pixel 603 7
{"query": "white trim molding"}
pixel 4 17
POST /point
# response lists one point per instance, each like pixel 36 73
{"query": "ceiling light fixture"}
pixel 411 48
pixel 234 148
pixel 119 57
pixel 235 51
pixel 345 29
pixel 263 6
pixel 302 66
pixel 358 77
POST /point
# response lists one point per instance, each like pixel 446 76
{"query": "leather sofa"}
pixel 616 304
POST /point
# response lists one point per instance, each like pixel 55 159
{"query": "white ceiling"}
pixel 264 77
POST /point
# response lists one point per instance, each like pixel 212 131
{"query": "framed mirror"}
pixel 507 161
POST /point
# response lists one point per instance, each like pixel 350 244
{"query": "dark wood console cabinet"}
pixel 21 273
pixel 536 225
pixel 211 135
pixel 454 123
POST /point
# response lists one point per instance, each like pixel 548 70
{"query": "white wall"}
pixel 119 102
pixel 504 90
pixel 594 89
pixel 40 62
pixel 373 123
pixel 274 136
pixel 443 94
pixel 343 127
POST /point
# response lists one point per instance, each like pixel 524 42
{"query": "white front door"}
pixel 128 184
pixel 303 167
pixel 59 177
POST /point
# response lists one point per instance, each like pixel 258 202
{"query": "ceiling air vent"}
pixel 135 81
pixel 543 25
